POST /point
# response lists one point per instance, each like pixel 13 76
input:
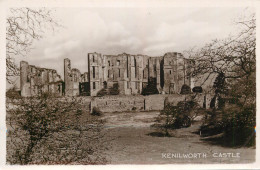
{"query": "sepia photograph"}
pixel 127 85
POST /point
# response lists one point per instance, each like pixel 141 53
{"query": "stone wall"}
pixel 123 103
pixel 154 102
pixel 118 103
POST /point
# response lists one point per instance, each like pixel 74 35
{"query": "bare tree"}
pixel 24 26
pixel 234 57
pixel 232 61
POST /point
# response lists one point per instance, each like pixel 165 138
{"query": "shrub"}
pixel 236 124
pixel 102 92
pixel 178 116
pixel 186 112
pixel 185 89
pixel 239 126
pixel 197 89
pixel 219 100
pixel 12 93
pixel 96 111
pixel 114 90
pixel 134 108
pixel 150 88
pixel 47 130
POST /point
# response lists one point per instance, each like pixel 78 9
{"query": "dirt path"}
pixel 132 143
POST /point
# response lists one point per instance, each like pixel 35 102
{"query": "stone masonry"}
pixel 131 73
pixel 35 81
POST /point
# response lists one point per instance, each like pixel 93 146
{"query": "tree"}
pixel 232 58
pixel 220 84
pixel 24 26
pixel 233 62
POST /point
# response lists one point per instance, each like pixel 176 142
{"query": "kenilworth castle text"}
pixel 129 73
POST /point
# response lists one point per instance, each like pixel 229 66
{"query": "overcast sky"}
pixel 150 31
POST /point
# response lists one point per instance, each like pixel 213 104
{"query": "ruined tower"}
pixel 24 79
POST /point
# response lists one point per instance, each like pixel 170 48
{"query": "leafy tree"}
pixel 220 84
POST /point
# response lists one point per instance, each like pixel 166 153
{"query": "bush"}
pixel 239 127
pixel 48 130
pixel 114 90
pixel 96 111
pixel 197 89
pixel 178 116
pixel 12 93
pixel 150 88
pixel 186 112
pixel 102 92
pixel 185 89
pixel 236 124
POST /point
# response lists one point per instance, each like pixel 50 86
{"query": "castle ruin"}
pixel 129 73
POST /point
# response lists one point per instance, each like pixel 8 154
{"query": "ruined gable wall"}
pixel 94 64
pixel 76 79
pixel 170 73
pixel 68 79
pixel 36 80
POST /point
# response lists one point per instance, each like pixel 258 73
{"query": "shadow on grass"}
pixel 228 142
pixel 158 134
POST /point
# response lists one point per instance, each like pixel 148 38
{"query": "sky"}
pixel 150 31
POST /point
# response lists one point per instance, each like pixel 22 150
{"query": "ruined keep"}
pixel 124 73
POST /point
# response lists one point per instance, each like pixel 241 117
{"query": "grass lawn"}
pixel 134 144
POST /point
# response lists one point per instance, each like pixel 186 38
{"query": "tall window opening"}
pixel 94 85
pixel 94 72
pixel 127 74
pixel 135 68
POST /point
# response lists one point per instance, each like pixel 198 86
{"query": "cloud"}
pixel 159 49
pixel 117 31
pixel 131 43
pixel 60 49
pixel 148 31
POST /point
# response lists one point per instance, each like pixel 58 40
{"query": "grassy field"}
pixel 136 142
